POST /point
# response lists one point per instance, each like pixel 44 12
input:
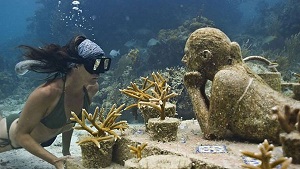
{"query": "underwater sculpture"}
pixel 272 77
pixel 240 101
pixel 265 156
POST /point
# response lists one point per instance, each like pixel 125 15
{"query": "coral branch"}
pixel 95 140
pixel 137 150
pixel 287 120
pixel 104 126
pixel 81 122
pixel 264 156
pixel 158 108
pixel 159 93
pixel 131 106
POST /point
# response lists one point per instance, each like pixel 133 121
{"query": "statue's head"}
pixel 207 50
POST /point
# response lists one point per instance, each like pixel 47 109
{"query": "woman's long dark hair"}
pixel 57 60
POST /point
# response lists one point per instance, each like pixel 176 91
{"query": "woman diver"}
pixel 73 72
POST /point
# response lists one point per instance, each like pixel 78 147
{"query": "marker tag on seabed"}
pixel 211 149
pixel 256 162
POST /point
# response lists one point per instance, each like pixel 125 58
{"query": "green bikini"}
pixel 56 119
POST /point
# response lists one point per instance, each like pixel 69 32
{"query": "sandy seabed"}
pixel 21 159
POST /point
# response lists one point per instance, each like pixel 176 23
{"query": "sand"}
pixel 21 159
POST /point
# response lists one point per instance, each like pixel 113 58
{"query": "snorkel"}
pixel 24 66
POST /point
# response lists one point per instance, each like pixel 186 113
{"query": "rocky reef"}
pixel 168 52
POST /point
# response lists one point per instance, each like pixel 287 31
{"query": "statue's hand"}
pixel 193 80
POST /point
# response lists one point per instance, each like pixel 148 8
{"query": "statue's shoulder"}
pixel 230 78
pixel 230 74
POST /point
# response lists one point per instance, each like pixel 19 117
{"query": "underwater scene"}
pixel 208 84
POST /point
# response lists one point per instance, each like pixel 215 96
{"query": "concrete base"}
pixel 163 130
pixel 204 154
pixel 291 145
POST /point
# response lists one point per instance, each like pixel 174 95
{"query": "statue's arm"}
pixel 225 90
pixel 195 85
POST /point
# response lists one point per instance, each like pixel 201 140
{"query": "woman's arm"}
pixel 66 141
pixel 67 136
pixel 35 108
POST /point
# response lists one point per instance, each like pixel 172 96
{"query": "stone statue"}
pixel 240 101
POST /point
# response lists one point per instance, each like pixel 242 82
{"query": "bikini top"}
pixel 57 118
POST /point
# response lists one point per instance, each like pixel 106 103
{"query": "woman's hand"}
pixel 60 162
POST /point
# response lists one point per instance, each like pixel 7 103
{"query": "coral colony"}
pixel 104 126
pixel 288 120
pixel 265 156
pixel 152 93
pixel 290 139
pixel 137 150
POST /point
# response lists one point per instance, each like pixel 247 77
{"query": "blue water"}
pixel 123 15
pixel 13 17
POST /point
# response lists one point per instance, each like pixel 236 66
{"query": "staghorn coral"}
pixel 137 150
pixel 104 126
pixel 265 156
pixel 289 120
pixel 152 93
pixel 160 102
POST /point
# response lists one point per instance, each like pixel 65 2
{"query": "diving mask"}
pixel 97 65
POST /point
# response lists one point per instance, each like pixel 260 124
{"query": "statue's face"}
pixel 196 58
pixel 188 59
pixel 208 50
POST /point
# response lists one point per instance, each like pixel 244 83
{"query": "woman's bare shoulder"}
pixel 46 92
pixel 39 101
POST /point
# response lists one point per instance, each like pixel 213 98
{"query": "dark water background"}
pixel 262 27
